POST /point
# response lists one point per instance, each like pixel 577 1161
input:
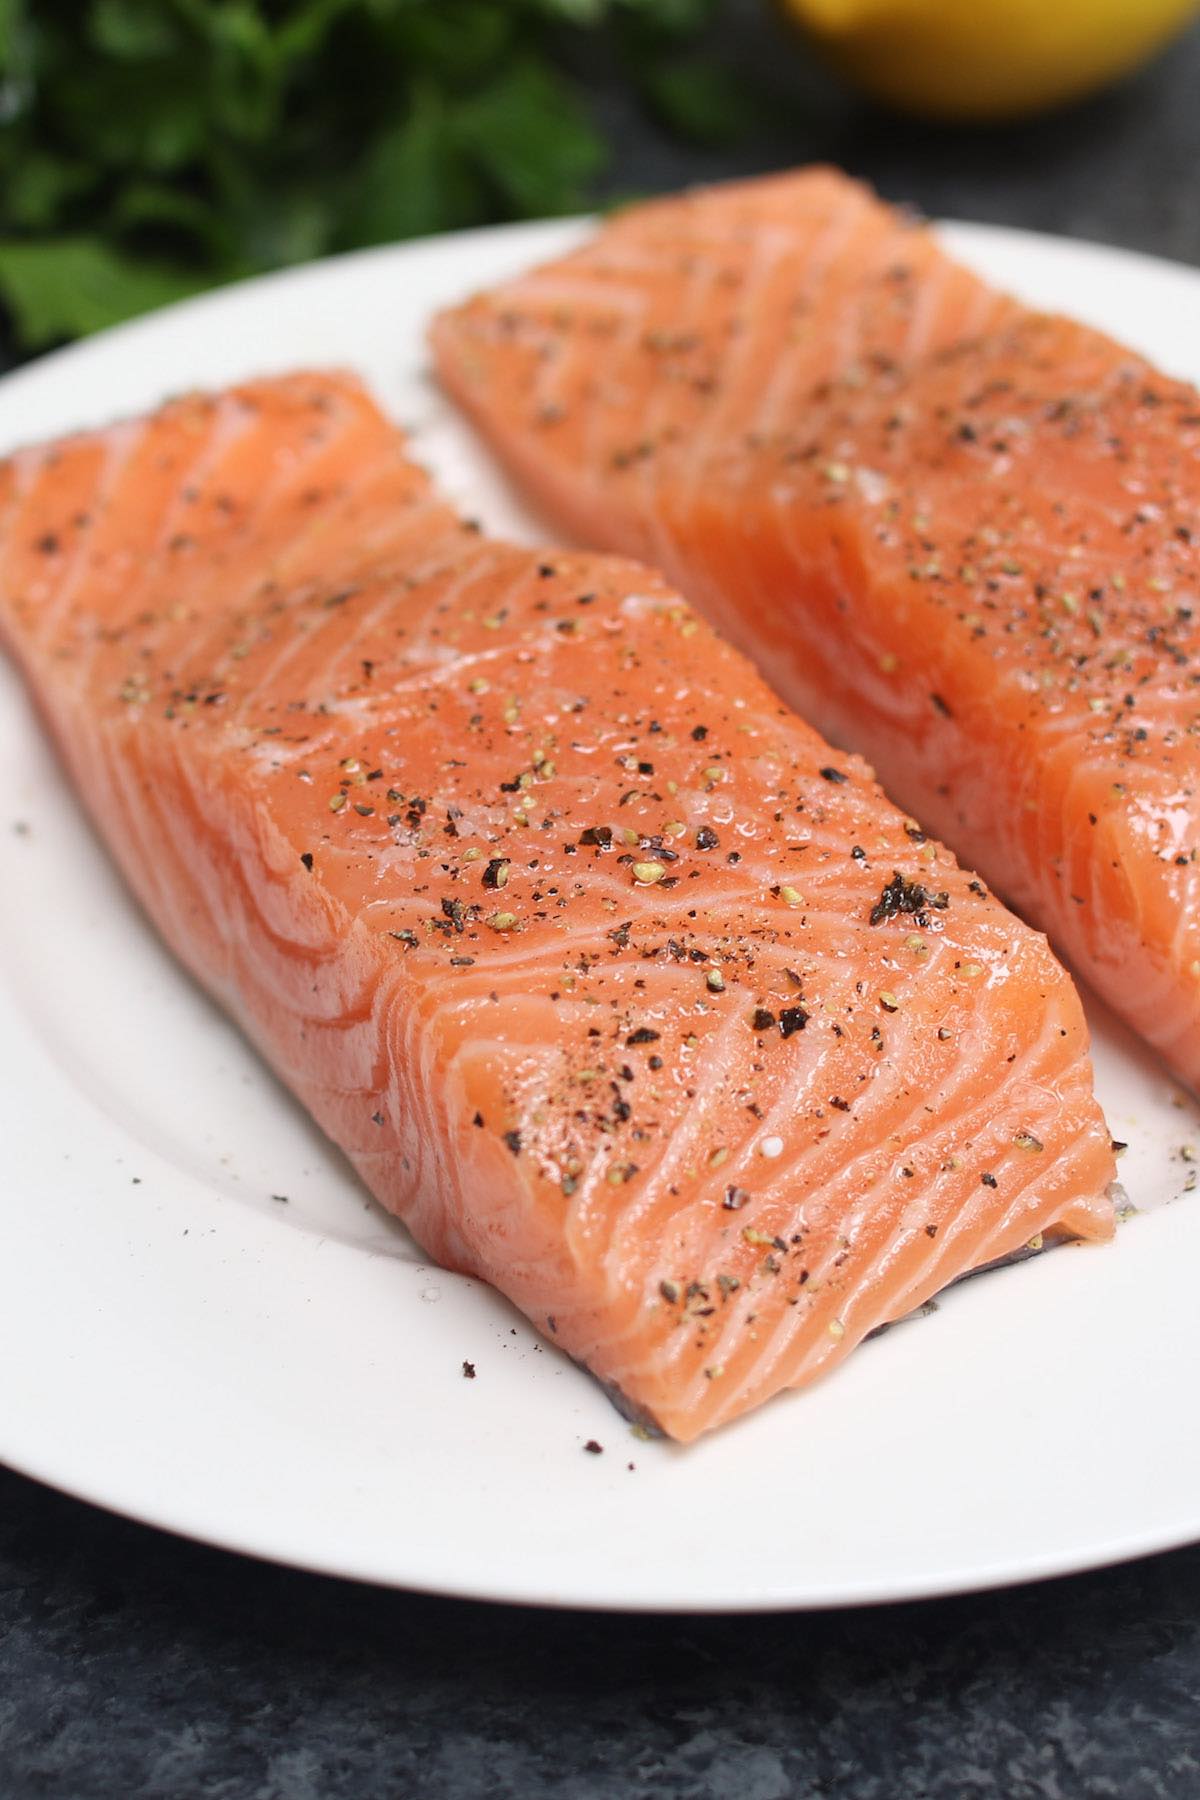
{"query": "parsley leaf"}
pixel 150 148
pixel 533 139
pixel 67 286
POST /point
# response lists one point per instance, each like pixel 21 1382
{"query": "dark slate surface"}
pixel 139 1667
pixel 1121 168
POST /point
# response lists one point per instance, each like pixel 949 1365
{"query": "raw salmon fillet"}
pixel 620 988
pixel 959 535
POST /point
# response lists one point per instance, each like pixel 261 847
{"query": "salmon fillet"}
pixel 611 980
pixel 959 535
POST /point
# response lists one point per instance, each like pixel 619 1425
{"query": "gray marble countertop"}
pixel 136 1666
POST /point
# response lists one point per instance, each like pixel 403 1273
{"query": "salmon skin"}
pixel 960 535
pixel 616 984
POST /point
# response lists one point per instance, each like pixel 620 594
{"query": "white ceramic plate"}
pixel 285 1377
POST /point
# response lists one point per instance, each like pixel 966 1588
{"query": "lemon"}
pixel 987 59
